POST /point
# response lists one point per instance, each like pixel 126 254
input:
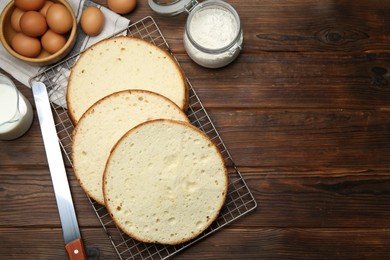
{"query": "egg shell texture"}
pixel 15 19
pixel 52 42
pixel 33 23
pixel 92 21
pixel 59 19
pixel 29 5
pixel 122 6
pixel 44 9
pixel 26 46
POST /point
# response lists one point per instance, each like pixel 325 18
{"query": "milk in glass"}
pixel 16 113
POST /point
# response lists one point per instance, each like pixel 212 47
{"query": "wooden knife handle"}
pixel 76 250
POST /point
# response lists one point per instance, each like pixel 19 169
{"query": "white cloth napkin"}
pixel 23 72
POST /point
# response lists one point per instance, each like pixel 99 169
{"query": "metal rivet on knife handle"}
pixel 75 250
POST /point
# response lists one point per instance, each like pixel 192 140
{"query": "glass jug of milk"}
pixel 16 113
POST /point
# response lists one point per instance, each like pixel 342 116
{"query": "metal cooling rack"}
pixel 239 199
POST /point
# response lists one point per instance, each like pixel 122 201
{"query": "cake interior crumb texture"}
pixel 165 182
pixel 105 123
pixel 121 63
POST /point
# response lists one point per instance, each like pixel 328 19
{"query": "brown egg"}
pixel 15 19
pixel 26 46
pixel 29 5
pixel 122 6
pixel 43 10
pixel 52 42
pixel 59 19
pixel 92 21
pixel 33 24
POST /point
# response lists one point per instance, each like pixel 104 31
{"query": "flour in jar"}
pixel 213 28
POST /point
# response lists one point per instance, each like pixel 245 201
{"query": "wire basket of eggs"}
pixel 38 32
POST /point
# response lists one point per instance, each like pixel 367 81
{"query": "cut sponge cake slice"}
pixel 121 63
pixel 165 182
pixel 104 123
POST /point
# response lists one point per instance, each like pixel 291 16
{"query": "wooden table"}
pixel 305 114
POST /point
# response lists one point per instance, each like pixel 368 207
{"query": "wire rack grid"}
pixel 239 201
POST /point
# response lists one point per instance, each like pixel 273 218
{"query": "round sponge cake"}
pixel 104 123
pixel 121 63
pixel 165 182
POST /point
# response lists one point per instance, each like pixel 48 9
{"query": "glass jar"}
pixel 213 36
pixel 16 114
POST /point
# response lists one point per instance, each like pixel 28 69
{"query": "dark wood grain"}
pixel 297 117
pixel 269 243
pixel 303 138
pixel 327 198
pixel 310 26
pixel 287 197
pixel 290 81
pixel 47 244
pixel 24 189
pixel 304 112
pixel 274 137
pixel 291 243
pixel 298 26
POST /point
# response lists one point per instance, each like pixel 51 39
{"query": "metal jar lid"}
pixel 171 7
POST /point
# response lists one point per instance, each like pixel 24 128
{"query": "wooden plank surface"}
pixel 288 197
pixel 262 243
pixel 301 136
pixel 304 112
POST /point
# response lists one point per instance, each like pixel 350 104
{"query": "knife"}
pixel 70 228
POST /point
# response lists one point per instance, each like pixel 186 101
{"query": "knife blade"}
pixel 70 228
